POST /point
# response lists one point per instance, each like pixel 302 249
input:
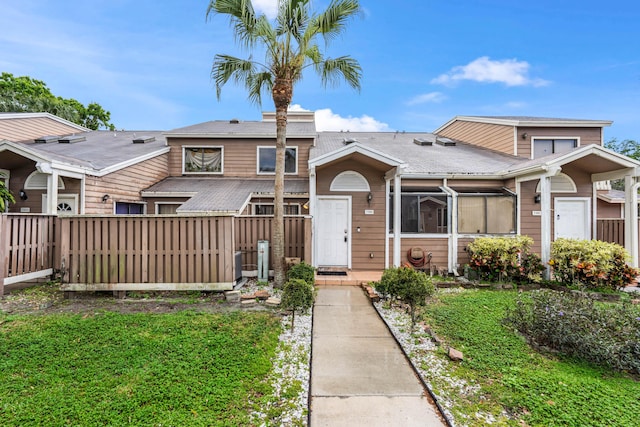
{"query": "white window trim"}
pixel 29 186
pixel 295 147
pixel 185 172
pixel 533 139
pixel 568 178
pixel 61 199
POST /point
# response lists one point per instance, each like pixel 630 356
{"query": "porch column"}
pixel 52 193
pixel 545 223
pixel 397 219
pixel 631 218
pixel 312 211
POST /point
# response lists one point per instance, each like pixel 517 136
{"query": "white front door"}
pixel 332 231
pixel 67 204
pixel 572 218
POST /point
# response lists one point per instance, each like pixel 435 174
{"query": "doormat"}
pixel 332 273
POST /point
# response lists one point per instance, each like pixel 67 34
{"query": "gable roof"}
pixel 18 127
pixel 527 121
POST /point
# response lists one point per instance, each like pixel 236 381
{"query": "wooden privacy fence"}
pixel 611 230
pixel 251 229
pixel 26 247
pixel 147 253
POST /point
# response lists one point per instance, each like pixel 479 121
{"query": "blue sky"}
pixel 424 61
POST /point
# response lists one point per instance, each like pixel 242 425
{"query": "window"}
pixel 268 209
pixel 422 213
pixel 125 208
pixel 545 146
pixel 267 160
pixel 486 214
pixel 202 159
pixel 167 208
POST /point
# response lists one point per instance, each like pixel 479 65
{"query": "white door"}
pixel 332 232
pixel 67 204
pixel 572 219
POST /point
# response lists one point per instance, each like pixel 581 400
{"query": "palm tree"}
pixel 290 46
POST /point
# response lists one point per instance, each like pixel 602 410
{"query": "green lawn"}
pixel 180 369
pixel 537 390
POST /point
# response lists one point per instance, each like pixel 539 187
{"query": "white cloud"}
pixel 327 120
pixel 268 7
pixel 511 72
pixel 434 97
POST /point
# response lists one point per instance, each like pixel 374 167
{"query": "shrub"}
pixel 297 295
pixel 505 259
pixel 605 334
pixel 302 271
pixel 410 286
pixel 591 264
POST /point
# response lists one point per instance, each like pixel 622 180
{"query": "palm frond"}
pixel 332 71
pixel 226 67
pixel 257 84
pixel 293 18
pixel 332 21
pixel 242 18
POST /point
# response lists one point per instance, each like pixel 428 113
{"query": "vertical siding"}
pixel 371 239
pixel 491 136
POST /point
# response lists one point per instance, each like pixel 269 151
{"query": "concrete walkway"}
pixel 359 376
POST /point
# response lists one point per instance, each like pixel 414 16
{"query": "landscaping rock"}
pixel 232 296
pixel 635 301
pixel 455 355
pixel 248 302
pixel 262 295
pixel 245 297
pixel 273 302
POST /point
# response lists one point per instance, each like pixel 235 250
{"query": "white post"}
pixel 387 193
pixel 631 218
pixel 52 193
pixel 312 211
pixel 545 223
pixel 397 218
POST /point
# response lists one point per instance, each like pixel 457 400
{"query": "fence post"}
pixel 307 241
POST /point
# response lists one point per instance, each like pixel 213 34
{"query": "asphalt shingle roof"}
pixel 253 128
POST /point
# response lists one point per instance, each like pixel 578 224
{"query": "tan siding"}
pixel 124 185
pixel 463 255
pixel 530 224
pixel 587 136
pixel 491 136
pixel 30 128
pixel 609 210
pixel 240 155
pixel 371 238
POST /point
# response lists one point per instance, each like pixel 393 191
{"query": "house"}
pixel 54 166
pixel 372 196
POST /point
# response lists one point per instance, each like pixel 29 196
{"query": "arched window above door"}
pixel 350 181
pixel 560 184
pixel 38 181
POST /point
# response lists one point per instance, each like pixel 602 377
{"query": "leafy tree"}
pixel 628 147
pixel 27 95
pixel 290 46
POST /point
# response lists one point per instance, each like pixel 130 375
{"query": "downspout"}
pixel 545 224
pixel 452 258
pixel 631 186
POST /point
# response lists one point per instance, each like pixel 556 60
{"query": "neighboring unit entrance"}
pixel 572 219
pixel 332 231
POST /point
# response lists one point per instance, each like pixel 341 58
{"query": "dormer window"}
pixel 267 161
pixel 199 160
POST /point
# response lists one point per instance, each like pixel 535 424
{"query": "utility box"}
pixel 238 265
pixel 263 260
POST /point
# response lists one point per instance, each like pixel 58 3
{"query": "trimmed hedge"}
pixel 505 259
pixel 591 264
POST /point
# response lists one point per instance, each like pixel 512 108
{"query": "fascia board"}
pixel 352 149
pixel 234 135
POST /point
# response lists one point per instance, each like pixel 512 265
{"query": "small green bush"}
pixel 302 271
pixel 591 264
pixel 297 295
pixel 505 259
pixel 408 285
pixel 605 334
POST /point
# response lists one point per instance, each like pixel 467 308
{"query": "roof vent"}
pixel 143 139
pixel 47 138
pixel 72 139
pixel 422 141
pixel 234 121
pixel 445 142
pixel 348 141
